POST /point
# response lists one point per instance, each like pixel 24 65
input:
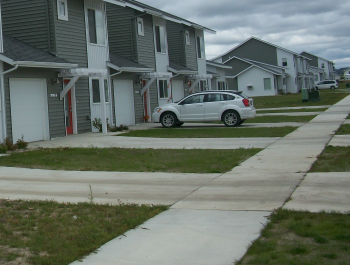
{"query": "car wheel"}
pixel 179 123
pixel 316 87
pixel 231 118
pixel 168 120
pixel 332 87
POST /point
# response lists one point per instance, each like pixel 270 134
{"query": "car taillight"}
pixel 246 102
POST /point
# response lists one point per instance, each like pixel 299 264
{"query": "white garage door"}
pixel 29 111
pixel 124 102
pixel 178 90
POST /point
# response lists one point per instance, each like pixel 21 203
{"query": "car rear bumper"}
pixel 248 114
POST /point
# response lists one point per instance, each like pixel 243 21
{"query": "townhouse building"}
pixel 62 67
pixel 321 68
pixel 290 69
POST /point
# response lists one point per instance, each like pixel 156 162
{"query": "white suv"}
pixel 230 107
pixel 327 84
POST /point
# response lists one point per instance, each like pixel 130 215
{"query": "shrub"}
pixel 21 143
pixel 14 147
pixel 120 128
pixel 97 123
pixel 8 143
pixel 3 149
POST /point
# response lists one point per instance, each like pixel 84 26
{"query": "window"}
pixel 96 27
pixel 96 91
pixel 203 85
pixel 222 85
pixel 163 88
pixel 316 77
pixel 284 62
pixel 62 9
pixel 200 48
pixel 322 65
pixel 267 83
pixel 194 99
pixel 140 27
pixel 187 37
pixel 160 39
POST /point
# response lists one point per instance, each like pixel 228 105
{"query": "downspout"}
pixel 118 73
pixel 3 99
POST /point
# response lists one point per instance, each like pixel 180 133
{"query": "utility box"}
pixel 348 85
pixel 314 95
pixel 304 95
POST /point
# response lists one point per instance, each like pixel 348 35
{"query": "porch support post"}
pixel 193 85
pixel 103 104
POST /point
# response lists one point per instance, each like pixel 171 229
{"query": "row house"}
pixel 321 68
pixel 62 67
pixel 291 68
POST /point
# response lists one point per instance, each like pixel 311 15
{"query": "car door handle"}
pixel 199 105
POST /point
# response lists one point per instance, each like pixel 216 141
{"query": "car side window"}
pixel 213 98
pixel 193 100
pixel 228 97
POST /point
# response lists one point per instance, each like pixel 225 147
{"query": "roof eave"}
pixel 45 64
pixel 130 69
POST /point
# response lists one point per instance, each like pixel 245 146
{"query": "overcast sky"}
pixel 321 27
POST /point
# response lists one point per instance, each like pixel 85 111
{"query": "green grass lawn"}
pixel 344 129
pixel 211 132
pixel 259 111
pixel 333 159
pixel 130 160
pixel 328 97
pixel 50 233
pixel 282 118
pixel 302 238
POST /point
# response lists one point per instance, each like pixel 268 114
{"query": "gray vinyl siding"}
pixel 191 52
pixel 314 59
pixel 51 24
pixel 232 83
pixel 145 44
pixel 237 67
pixel 55 106
pixel 82 95
pixel 121 28
pixel 27 21
pixel 71 34
pixel 255 50
pixel 176 46
pixel 153 92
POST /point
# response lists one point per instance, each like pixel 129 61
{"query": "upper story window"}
pixel 62 10
pixel 322 65
pixel 96 27
pixel 284 62
pixel 160 39
pixel 140 27
pixel 200 48
pixel 187 37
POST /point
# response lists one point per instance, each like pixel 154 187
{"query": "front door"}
pixel 68 110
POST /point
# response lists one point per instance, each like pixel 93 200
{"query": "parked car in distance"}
pixel 327 84
pixel 230 107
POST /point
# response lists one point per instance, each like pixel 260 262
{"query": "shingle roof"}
pixel 19 51
pixel 122 62
pixel 179 67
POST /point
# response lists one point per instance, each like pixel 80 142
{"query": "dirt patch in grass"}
pixel 38 233
pixel 293 237
pixel 333 159
pixel 237 132
pixel 130 160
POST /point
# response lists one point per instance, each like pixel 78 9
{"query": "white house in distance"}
pixel 321 68
pixel 218 71
pixel 290 72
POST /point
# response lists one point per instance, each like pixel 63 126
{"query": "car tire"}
pixel 316 88
pixel 231 118
pixel 179 124
pixel 168 120
pixel 332 87
pixel 241 122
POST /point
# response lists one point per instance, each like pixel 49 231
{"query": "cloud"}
pixel 320 27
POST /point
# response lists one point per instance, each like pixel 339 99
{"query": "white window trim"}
pixel 106 94
pixel 104 27
pixel 60 17
pixel 187 38
pixel 140 32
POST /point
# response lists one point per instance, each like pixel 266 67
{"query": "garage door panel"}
pixel 29 114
